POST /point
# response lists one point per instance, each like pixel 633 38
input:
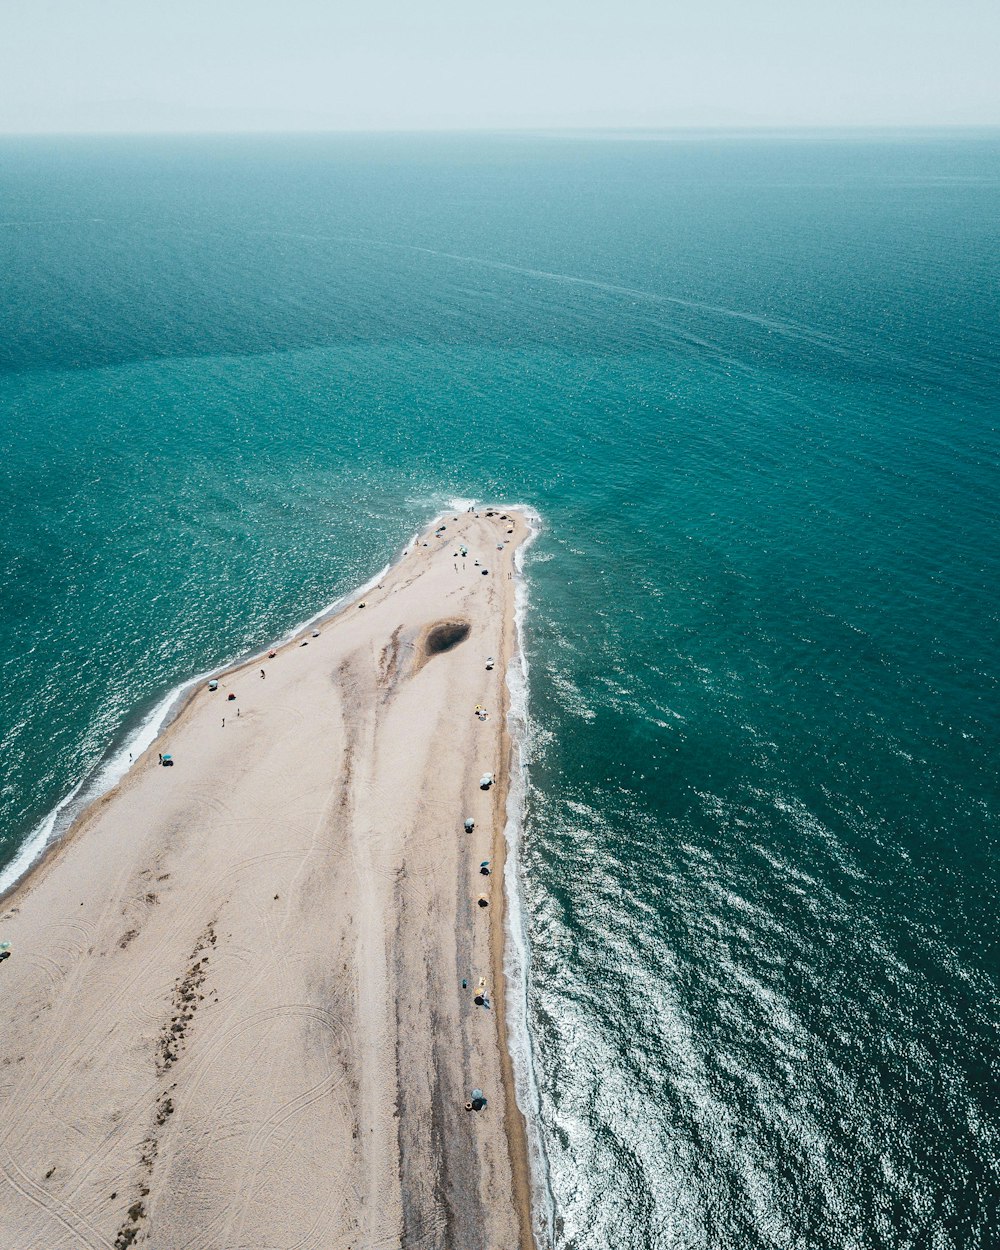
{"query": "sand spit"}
pixel 233 1014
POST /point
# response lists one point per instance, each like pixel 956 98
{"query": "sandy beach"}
pixel 233 1014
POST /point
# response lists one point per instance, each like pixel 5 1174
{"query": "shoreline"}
pixel 185 706
pixel 517 1134
pixel 518 1050
pixel 60 822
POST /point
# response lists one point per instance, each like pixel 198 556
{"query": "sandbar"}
pixel 233 1014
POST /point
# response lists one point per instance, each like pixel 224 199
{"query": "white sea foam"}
pixel 516 962
pixel 36 842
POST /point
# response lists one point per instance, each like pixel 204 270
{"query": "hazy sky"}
pixel 98 65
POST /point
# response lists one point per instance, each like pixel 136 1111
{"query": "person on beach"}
pixel 161 753
pixel 263 675
pixel 223 722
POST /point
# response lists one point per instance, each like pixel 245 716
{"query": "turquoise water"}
pixel 750 385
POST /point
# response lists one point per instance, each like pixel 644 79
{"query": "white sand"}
pixel 233 1014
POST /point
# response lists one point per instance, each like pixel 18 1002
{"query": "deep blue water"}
pixel 751 386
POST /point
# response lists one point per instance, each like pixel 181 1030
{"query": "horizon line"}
pixel 747 128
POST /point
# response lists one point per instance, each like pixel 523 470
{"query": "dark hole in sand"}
pixel 445 636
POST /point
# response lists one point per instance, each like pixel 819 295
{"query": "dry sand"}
pixel 233 1013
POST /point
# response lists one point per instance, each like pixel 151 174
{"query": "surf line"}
pixel 517 954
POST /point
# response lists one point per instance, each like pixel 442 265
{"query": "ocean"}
pixel 749 383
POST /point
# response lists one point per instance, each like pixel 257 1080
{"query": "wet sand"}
pixel 233 1014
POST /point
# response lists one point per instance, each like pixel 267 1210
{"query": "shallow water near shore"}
pixel 750 387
